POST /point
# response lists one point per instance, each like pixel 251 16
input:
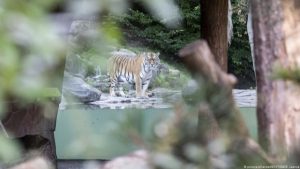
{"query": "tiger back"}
pixel 133 69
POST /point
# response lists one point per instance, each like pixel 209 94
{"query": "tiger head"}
pixel 152 60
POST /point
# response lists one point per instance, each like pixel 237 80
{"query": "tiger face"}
pixel 152 60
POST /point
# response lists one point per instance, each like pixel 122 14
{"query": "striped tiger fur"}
pixel 134 70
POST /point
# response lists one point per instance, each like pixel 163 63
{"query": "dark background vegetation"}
pixel 141 29
pixel 239 53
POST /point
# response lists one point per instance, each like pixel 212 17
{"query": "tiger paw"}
pixel 150 94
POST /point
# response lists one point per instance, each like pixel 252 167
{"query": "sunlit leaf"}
pixel 9 150
pixel 166 11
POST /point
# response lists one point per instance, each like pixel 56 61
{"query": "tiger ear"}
pixel 157 54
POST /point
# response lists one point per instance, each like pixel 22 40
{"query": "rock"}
pixel 123 52
pixel 107 101
pixel 166 77
pixel 75 65
pixel 81 35
pixel 137 160
pixel 245 98
pixel 162 98
pixel 77 88
pixel 100 82
pixel 32 124
pixel 36 163
pixel 163 68
pixel 169 95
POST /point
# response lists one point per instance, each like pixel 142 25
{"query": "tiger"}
pixel 134 70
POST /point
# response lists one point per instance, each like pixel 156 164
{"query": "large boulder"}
pixel 76 88
pixel 82 34
pixel 123 52
pixel 76 65
pixel 80 39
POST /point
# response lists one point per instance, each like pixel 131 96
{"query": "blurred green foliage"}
pixel 9 150
pixel 290 74
pixel 31 51
pixel 173 79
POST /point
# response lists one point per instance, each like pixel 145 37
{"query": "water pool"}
pixel 91 133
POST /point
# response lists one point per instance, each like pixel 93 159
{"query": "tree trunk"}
pixel 214 20
pixel 277 108
pixel 291 27
pixel 217 113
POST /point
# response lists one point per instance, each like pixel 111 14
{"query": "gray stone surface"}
pixel 79 164
pixel 81 35
pixel 163 98
pixel 123 52
pixel 77 88
pixel 107 101
pixel 135 160
pixel 245 98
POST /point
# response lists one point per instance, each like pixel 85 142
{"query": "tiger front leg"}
pixel 145 87
pixel 138 86
pixel 112 88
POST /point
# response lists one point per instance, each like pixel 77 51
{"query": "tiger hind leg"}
pixel 112 87
pixel 138 86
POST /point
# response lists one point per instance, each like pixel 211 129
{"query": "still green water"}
pixel 93 133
